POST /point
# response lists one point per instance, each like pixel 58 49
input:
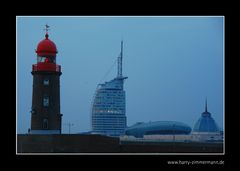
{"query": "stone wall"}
pixel 78 143
pixel 73 143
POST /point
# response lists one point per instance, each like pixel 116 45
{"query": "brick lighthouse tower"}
pixel 45 114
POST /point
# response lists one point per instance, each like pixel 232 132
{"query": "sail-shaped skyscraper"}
pixel 108 106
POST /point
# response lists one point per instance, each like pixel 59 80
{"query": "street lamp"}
pixel 69 127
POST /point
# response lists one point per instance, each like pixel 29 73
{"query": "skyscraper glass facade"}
pixel 109 108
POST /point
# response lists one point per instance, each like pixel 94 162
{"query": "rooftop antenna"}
pixel 120 61
pixel 206 105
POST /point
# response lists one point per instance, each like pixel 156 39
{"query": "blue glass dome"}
pixel 158 128
pixel 205 123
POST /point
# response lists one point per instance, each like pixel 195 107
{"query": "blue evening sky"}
pixel 172 64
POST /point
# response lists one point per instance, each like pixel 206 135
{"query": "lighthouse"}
pixel 46 117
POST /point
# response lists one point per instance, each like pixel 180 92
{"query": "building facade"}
pixel 206 129
pixel 108 112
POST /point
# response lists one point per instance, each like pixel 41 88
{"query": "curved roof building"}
pixel 158 128
pixel 108 107
pixel 205 123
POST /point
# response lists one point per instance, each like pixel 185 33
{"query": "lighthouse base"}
pixel 45 132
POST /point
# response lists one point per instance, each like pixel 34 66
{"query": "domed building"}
pixel 141 130
pixel 206 129
pixel 205 123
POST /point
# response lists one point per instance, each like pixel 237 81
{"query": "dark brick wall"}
pixel 75 143
pixel 52 113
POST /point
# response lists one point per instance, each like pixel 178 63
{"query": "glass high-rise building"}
pixel 109 107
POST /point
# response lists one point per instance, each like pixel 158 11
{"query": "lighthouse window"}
pixel 41 59
pixel 45 124
pixel 45 101
pixel 46 81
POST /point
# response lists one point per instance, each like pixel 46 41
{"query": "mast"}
pixel 206 105
pixel 120 61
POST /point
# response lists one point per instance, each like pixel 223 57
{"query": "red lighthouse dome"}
pixel 46 56
pixel 46 47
